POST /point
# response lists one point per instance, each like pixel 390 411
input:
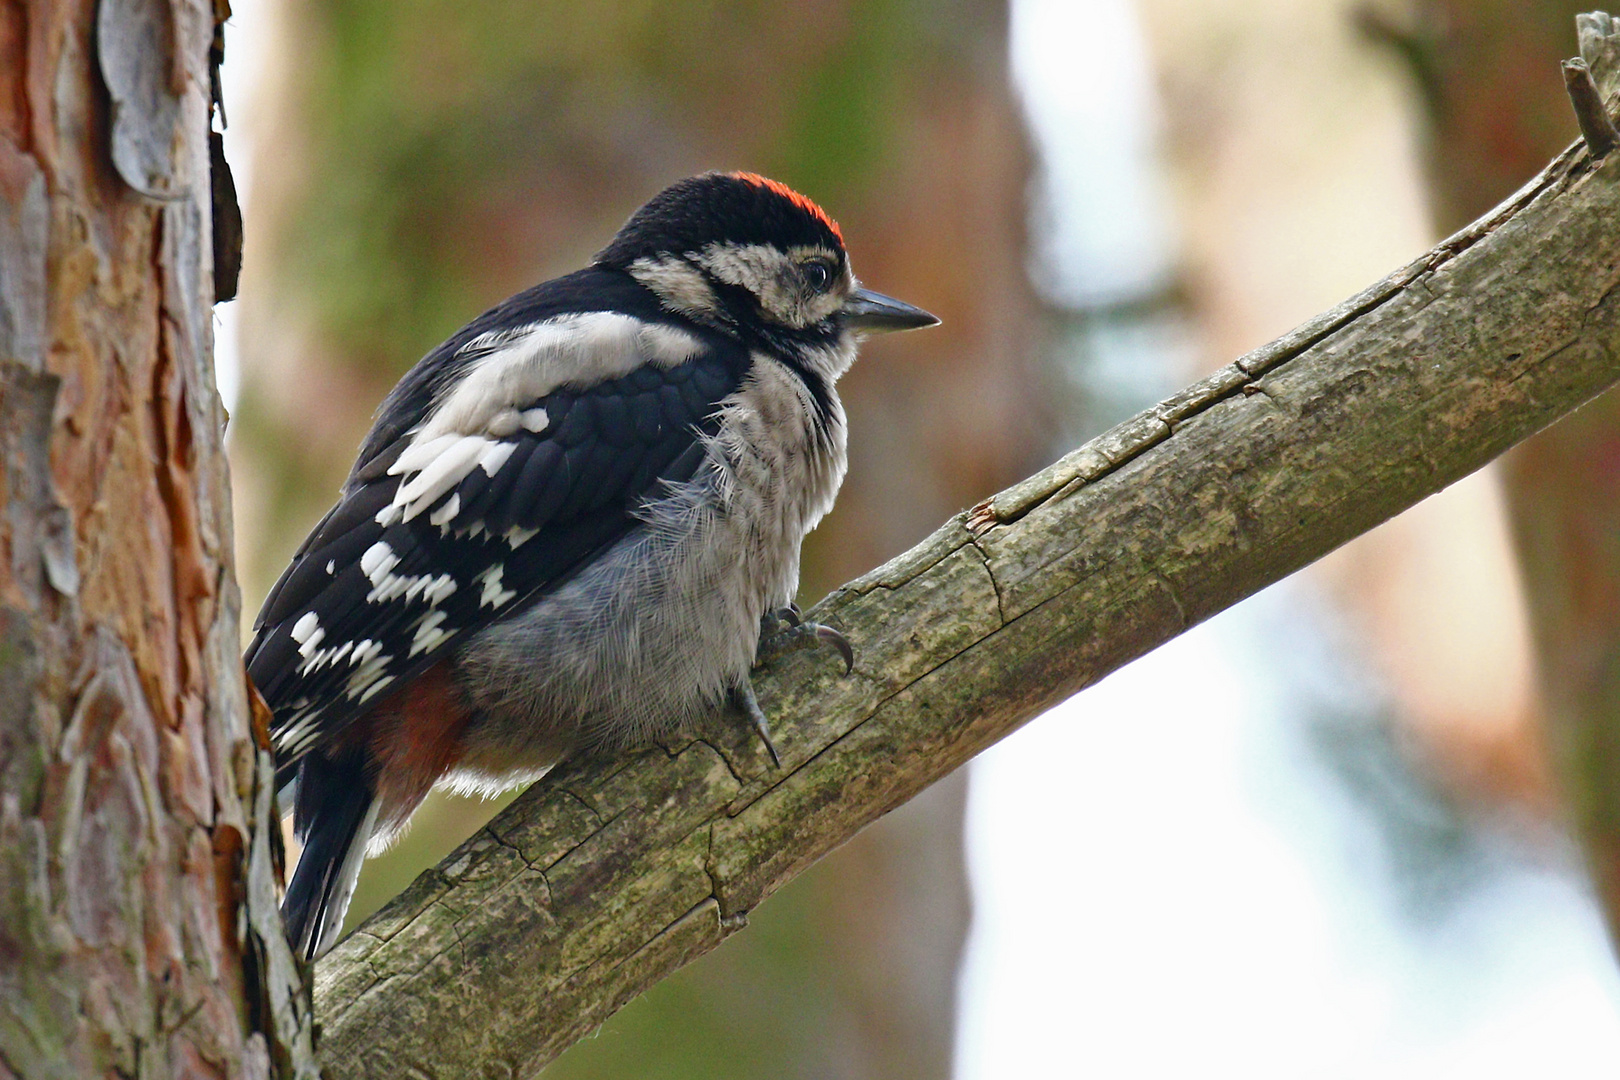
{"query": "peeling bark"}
pixel 608 875
pixel 135 829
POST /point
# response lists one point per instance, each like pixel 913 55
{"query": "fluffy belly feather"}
pixel 657 630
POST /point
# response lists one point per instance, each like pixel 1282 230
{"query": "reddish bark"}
pixel 128 773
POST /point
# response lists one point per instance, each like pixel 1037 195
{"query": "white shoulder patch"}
pixel 521 366
pixel 472 422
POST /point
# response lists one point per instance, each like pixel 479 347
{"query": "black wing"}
pixel 383 583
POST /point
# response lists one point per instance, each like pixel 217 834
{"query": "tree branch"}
pixel 609 875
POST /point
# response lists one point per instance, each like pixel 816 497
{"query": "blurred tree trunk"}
pixel 432 159
pixel 1488 73
pixel 138 933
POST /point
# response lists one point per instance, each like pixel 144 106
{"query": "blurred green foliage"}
pixel 430 122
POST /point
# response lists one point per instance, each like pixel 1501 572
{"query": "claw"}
pixel 743 698
pixel 784 631
pixel 828 636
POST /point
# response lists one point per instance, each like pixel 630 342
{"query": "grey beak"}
pixel 874 312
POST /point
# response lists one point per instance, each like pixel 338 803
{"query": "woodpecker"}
pixel 573 527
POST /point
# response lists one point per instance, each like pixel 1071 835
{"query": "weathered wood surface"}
pixel 607 876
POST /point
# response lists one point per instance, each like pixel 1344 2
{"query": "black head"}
pixel 731 208
pixel 752 255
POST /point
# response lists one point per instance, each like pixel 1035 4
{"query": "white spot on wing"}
pixel 428 635
pixel 444 472
pixel 441 588
pixel 535 420
pixel 378 560
pixel 307 624
pixel 494 594
pixel 517 536
pixel 666 345
pixel 493 458
pixel 375 687
pixel 308 648
pixel 370 670
pixel 420 454
pixel 378 563
pixel 320 658
pixel 446 513
pixel 299 733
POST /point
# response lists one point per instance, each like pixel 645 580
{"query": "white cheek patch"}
pixel 755 267
pixel 774 277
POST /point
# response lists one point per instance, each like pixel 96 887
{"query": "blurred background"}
pixel 1337 831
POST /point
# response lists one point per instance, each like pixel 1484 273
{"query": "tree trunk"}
pixel 138 932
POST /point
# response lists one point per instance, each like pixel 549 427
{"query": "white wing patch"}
pixel 298 735
pixel 473 421
pixel 524 365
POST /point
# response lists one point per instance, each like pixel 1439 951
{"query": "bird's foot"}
pixel 784 631
pixel 743 699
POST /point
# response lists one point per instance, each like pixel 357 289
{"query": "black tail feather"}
pixel 333 817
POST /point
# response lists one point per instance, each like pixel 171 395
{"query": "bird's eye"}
pixel 818 275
